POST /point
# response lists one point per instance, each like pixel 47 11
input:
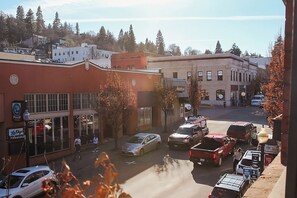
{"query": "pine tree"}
pixel 77 29
pixel 21 25
pixel 121 42
pixel 235 50
pixel 11 30
pixel 102 38
pixel 218 48
pixel 3 27
pixel 39 21
pixel 160 43
pixel 30 23
pixel 56 22
pixel 131 41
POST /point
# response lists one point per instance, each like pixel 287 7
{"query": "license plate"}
pixel 202 160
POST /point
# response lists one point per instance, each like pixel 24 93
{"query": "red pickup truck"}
pixel 212 149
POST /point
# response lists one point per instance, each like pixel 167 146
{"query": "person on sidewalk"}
pixel 95 143
pixel 236 158
pixel 77 144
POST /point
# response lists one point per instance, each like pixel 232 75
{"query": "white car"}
pixel 141 143
pixel 26 182
pixel 257 100
pixel 246 161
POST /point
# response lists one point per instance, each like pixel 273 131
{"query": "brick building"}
pixel 61 100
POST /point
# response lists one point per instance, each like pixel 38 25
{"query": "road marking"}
pixel 132 162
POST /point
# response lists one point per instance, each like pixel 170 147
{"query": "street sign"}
pixel 250 173
pixel 255 160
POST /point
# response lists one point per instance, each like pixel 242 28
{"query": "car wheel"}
pixel 220 161
pixel 141 152
pixel 53 191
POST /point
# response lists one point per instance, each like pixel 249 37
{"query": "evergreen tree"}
pixel 3 27
pixel 21 25
pixel 56 22
pixel 131 40
pixel 235 50
pixel 102 38
pixel 121 42
pixel 207 51
pixel 39 21
pixel 160 43
pixel 30 23
pixel 77 29
pixel 218 48
pixel 11 30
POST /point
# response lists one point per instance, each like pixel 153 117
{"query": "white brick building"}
pixel 84 52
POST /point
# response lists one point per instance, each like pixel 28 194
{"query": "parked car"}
pixel 271 147
pixel 230 186
pixel 186 136
pixel 212 149
pixel 246 161
pixel 26 182
pixel 141 143
pixel 257 99
pixel 198 120
pixel 242 131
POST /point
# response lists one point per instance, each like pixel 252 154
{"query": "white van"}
pixel 256 100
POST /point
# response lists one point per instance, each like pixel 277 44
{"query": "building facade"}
pixel 224 78
pixel 71 55
pixel 62 102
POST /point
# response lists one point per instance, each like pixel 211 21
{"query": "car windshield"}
pixel 186 131
pixel 14 181
pixel 224 193
pixel 136 139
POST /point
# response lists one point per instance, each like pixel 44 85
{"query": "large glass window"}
pixel 144 116
pixel 63 102
pixel 84 127
pixel 76 101
pixel 40 103
pixel 52 102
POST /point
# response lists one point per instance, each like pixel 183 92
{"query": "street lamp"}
pixel 262 139
pixel 26 118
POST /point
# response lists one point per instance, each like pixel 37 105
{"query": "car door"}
pixel 32 184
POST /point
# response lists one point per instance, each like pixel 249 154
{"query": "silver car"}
pixel 26 182
pixel 141 143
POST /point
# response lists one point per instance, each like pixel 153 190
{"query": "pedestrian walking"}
pixel 95 143
pixel 236 158
pixel 77 144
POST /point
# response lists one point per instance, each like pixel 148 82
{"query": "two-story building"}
pixel 223 77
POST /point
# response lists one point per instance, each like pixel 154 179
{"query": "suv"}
pixel 257 100
pixel 242 131
pixel 246 161
pixel 186 136
pixel 230 186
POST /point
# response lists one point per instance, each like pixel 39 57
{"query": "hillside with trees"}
pixel 16 29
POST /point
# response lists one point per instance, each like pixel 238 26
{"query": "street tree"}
pixel 218 48
pixel 160 43
pixel 115 97
pixel 166 96
pixel 194 88
pixel 273 90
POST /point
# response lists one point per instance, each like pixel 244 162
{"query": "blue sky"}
pixel 252 24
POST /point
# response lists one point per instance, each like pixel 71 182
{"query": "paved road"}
pixel 167 173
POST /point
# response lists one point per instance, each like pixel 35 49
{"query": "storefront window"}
pixel 144 116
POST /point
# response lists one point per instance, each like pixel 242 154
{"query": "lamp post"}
pixel 26 118
pixel 262 139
